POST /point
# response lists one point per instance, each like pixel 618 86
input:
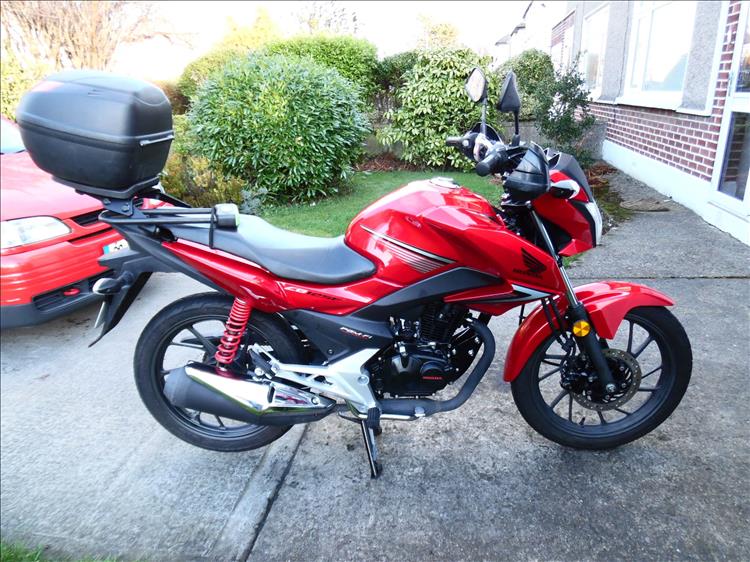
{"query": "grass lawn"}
pixel 18 553
pixel 331 216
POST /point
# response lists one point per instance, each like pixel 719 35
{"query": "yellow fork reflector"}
pixel 581 329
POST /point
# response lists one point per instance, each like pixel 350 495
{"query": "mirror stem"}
pixel 483 126
pixel 517 136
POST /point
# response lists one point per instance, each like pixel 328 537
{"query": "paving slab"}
pixel 88 472
pixel 672 244
pixel 479 484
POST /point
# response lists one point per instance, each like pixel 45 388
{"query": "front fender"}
pixel 607 303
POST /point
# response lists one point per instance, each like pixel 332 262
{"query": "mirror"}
pixel 509 100
pixel 476 85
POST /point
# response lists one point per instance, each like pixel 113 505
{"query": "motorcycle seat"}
pixel 327 261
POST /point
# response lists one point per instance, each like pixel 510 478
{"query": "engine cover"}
pixel 416 371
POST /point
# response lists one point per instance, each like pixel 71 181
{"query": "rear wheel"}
pixel 651 361
pixel 190 330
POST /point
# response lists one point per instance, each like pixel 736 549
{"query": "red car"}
pixel 50 242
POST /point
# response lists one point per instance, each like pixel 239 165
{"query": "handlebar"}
pixel 454 141
pixel 492 162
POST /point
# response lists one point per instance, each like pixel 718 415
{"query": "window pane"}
pixel 639 54
pixel 743 78
pixel 669 43
pixel 737 158
pixel 594 43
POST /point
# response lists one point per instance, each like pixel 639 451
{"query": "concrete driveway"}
pixel 86 471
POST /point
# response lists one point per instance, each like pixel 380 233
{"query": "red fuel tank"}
pixel 434 225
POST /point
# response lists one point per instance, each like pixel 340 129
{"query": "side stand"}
pixel 368 435
pixel 369 426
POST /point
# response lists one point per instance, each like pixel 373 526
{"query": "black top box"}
pixel 106 135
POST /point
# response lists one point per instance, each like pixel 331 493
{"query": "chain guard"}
pixel 632 374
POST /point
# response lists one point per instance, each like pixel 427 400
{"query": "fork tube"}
pixel 576 311
pixel 569 293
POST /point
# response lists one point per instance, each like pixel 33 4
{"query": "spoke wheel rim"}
pixel 221 427
pixel 563 410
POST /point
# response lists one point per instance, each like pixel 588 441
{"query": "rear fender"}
pixel 607 303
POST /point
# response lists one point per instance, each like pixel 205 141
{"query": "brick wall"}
pixel 558 32
pixel 686 142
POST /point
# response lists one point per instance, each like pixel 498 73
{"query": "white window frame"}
pixel 636 96
pixel 595 92
pixel 738 102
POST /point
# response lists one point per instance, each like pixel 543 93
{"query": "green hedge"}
pixel 390 74
pixel 193 179
pixel 201 68
pixel 287 126
pixel 15 81
pixel 355 59
pixel 177 99
pixel 535 72
pixel 432 106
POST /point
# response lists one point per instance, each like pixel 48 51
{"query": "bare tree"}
pixel 74 33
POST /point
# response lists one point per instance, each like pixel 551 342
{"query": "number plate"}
pixel 115 246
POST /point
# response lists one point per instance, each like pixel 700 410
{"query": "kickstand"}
pixel 372 450
pixel 368 427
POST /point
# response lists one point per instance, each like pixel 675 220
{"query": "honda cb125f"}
pixel 373 324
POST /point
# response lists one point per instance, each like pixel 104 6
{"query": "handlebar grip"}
pixel 454 141
pixel 489 164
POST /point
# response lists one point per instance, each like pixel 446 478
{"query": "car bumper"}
pixel 32 283
pixel 31 315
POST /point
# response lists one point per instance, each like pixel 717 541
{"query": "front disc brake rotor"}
pixel 626 370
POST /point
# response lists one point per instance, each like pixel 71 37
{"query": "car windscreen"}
pixel 10 138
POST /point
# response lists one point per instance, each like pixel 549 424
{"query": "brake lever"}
pixel 481 142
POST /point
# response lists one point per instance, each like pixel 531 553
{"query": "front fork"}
pixel 583 330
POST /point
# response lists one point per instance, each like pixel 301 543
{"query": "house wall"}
pixel 672 150
pixel 684 141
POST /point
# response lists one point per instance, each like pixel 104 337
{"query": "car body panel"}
pixel 34 276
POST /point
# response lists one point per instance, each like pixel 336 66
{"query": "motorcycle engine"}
pixel 428 353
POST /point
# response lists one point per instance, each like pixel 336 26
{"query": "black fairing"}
pixel 339 336
pixel 571 168
pixel 530 179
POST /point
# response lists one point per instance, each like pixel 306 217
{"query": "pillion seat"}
pixel 327 261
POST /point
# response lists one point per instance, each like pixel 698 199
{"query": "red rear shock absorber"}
pixel 232 338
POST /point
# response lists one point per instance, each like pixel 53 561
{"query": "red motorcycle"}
pixel 373 324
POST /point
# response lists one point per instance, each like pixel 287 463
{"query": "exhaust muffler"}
pixel 197 387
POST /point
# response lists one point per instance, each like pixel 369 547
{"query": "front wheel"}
pixel 651 360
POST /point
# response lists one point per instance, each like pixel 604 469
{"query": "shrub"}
pixel 434 105
pixel 285 125
pixel 390 74
pixel 176 98
pixel 263 31
pixel 15 81
pixel 355 59
pixel 201 68
pixel 563 113
pixel 534 71
pixel 191 178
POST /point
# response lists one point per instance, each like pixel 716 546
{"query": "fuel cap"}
pixel 444 182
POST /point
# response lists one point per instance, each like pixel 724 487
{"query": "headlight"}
pixel 20 232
